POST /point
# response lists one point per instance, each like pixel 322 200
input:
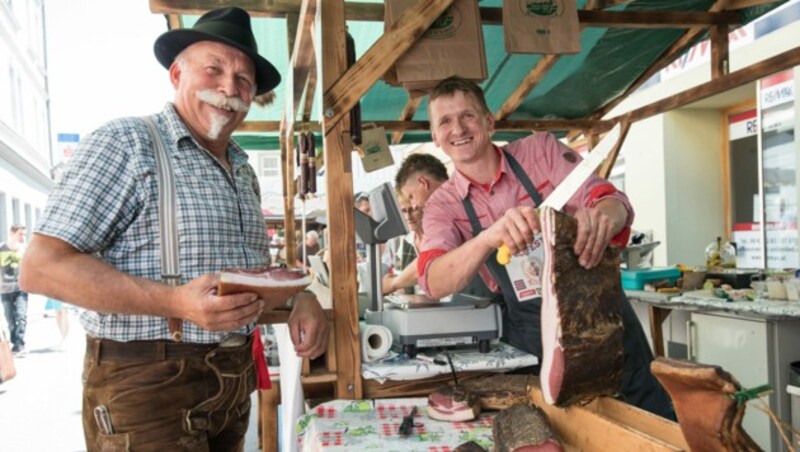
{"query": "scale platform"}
pixel 417 322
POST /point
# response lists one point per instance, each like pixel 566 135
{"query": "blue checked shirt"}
pixel 107 205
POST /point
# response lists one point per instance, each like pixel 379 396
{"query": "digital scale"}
pixel 417 321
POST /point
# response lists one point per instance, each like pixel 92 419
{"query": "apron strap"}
pixel 498 271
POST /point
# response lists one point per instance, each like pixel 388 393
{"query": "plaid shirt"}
pixel 107 205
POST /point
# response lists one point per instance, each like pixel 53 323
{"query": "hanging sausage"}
pixel 355 112
pixel 303 164
pixel 312 164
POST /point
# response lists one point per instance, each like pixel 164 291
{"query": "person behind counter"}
pixel 97 247
pixel 490 199
pixel 417 178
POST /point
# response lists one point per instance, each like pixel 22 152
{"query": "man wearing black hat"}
pixel 148 212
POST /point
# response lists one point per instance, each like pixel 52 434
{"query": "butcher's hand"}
pixel 308 326
pixel 198 302
pixel 596 227
pixel 515 229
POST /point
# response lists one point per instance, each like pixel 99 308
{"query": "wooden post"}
pixel 719 51
pixel 341 220
pixel 286 140
pixel 657 317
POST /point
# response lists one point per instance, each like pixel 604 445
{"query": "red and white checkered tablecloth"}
pixel 348 425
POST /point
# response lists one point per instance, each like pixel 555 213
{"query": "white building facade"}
pixel 25 153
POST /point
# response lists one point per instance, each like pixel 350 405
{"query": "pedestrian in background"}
pixel 15 301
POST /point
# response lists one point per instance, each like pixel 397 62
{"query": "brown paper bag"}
pixel 541 26
pixel 374 150
pixel 453 45
pixel 7 368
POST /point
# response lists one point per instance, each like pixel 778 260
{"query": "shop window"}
pixel 778 192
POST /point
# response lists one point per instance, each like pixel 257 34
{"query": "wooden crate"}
pixel 608 424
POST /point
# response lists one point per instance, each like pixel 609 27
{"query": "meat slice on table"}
pixel 582 353
pixel 710 418
pixel 273 285
pixel 523 428
pixel 453 404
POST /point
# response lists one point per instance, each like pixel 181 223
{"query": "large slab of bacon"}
pixel 274 285
pixel 582 353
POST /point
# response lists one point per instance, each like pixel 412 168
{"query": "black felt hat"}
pixel 229 26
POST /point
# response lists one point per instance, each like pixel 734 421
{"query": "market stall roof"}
pixel 623 45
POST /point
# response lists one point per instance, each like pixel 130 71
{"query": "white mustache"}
pixel 220 100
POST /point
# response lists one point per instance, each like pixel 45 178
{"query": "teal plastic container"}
pixel 636 279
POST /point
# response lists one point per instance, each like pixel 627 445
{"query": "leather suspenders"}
pixel 167 220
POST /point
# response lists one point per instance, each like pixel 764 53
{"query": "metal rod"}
pixel 452 368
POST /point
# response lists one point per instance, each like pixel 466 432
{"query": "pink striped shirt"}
pixel 545 160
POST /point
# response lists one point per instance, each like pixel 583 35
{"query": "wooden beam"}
pixel 359 78
pixel 303 53
pixel 274 126
pixel 414 99
pixel 511 125
pixel 780 62
pixel 292 21
pixel 174 22
pixel 258 8
pixel 657 19
pixel 667 57
pixel 526 86
pixel 287 163
pixel 341 221
pixel 374 12
pixel 719 51
pixel 635 19
pixel 608 164
pixel 311 88
pixel 514 125
pixel 657 317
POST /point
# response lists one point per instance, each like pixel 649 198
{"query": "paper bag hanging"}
pixel 541 26
pixel 452 45
pixel 374 150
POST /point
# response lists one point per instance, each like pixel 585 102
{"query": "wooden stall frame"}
pixel 318 52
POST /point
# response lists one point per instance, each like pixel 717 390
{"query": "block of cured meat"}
pixel 582 353
pixel 500 391
pixel 523 428
pixel 453 404
pixel 710 419
pixel 273 285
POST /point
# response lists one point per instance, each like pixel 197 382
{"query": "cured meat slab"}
pixel 582 352
pixel 500 391
pixel 521 428
pixel 709 418
pixel 273 285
